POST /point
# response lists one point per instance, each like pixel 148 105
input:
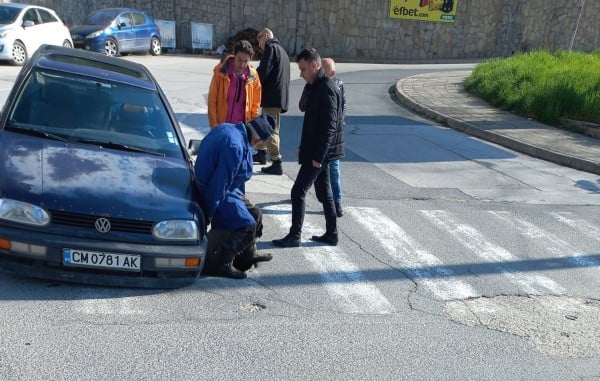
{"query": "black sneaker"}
pixel 287 241
pixel 327 238
pixel 338 209
pixel 260 157
pixel 273 169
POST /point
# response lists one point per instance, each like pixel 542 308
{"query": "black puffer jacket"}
pixel 322 130
pixel 274 73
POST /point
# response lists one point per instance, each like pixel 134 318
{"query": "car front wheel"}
pixel 67 44
pixel 18 53
pixel 155 48
pixel 111 48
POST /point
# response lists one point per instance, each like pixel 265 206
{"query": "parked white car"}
pixel 24 28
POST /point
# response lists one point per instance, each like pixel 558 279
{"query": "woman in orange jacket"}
pixel 235 90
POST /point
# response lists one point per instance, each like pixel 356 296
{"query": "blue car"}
pixel 96 183
pixel 115 31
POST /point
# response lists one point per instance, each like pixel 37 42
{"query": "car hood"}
pixel 84 30
pixel 91 180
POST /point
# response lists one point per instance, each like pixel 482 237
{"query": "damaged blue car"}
pixel 96 183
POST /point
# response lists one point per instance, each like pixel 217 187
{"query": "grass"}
pixel 541 85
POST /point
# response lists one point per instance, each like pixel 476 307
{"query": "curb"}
pixel 519 146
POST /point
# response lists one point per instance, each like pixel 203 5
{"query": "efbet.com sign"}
pixel 424 10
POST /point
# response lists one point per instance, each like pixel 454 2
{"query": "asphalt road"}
pixel 458 260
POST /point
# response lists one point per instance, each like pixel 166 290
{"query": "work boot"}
pixel 273 169
pixel 262 258
pixel 227 270
pixel 287 241
pixel 338 209
pixel 260 157
pixel 327 238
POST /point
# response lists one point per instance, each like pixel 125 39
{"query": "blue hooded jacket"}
pixel 223 165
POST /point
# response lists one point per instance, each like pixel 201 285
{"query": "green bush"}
pixel 541 85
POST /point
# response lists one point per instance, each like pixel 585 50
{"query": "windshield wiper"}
pixel 119 146
pixel 34 132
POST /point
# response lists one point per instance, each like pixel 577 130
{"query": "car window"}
pixel 138 18
pixel 8 15
pixel 125 19
pixel 46 16
pixel 103 18
pixel 79 108
pixel 31 15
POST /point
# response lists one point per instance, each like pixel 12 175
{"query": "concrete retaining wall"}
pixel 362 30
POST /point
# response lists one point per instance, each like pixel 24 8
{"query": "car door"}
pixel 142 31
pixel 52 28
pixel 32 34
pixel 124 33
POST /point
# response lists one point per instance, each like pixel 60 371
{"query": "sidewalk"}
pixel 441 97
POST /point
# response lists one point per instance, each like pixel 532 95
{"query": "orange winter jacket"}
pixel 217 93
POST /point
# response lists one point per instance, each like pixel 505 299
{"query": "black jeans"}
pixel 307 176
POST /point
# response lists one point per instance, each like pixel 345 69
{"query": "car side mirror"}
pixel 28 23
pixel 194 146
pixel 122 25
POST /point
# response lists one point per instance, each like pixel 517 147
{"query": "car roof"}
pixel 94 65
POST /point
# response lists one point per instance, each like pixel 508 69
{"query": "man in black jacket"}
pixel 274 73
pixel 321 141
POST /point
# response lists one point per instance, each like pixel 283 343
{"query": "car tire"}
pixel 67 44
pixel 111 47
pixel 155 47
pixel 18 53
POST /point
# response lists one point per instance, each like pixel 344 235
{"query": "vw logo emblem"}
pixel 102 225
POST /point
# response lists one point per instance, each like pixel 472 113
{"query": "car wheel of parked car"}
pixel 19 53
pixel 67 44
pixel 111 47
pixel 155 48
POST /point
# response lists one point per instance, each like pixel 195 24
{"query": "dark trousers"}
pixel 307 176
pixel 238 246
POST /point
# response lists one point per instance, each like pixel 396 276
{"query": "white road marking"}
pixel 411 255
pixel 109 306
pixel 553 243
pixel 581 226
pixel 475 241
pixel 343 280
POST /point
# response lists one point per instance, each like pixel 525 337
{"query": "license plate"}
pixel 85 258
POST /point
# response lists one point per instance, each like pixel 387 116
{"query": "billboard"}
pixel 424 10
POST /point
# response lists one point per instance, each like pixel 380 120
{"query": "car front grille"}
pixel 89 221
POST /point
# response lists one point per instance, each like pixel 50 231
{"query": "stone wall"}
pixel 361 30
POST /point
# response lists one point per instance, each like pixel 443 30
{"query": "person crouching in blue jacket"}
pixel 223 165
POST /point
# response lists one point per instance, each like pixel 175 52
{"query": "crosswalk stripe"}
pixel 343 280
pixel 554 244
pixel 581 226
pixel 475 241
pixel 400 246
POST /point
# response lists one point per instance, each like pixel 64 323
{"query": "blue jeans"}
pixel 336 183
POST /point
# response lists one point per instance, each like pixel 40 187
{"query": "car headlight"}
pixel 181 230
pixel 94 34
pixel 22 212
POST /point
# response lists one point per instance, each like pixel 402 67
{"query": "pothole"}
pixel 556 325
pixel 252 307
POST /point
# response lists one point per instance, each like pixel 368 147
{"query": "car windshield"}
pixel 90 111
pixel 8 15
pixel 103 18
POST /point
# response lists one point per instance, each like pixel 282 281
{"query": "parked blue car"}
pixel 114 31
pixel 96 183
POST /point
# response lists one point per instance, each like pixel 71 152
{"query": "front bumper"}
pixel 45 261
